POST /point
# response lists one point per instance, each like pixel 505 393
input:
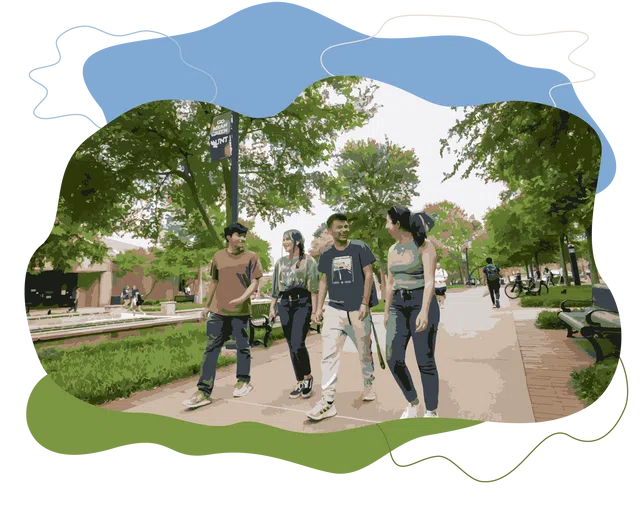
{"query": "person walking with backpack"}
pixel 492 271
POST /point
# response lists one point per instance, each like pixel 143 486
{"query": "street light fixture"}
pixel 466 253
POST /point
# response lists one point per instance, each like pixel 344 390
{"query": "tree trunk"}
pixel 563 260
pixel 461 276
pixel 203 212
pixel 595 278
pixel 383 284
pixel 155 282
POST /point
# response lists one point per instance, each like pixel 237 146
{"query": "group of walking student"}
pixel 298 297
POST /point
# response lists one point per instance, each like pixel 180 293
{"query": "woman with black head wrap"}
pixel 411 308
pixel 295 293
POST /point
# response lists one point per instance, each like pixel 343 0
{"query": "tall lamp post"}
pixel 574 265
pixel 466 257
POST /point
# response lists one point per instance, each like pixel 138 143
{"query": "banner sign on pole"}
pixel 220 136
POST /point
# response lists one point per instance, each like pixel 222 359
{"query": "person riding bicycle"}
pixel 492 271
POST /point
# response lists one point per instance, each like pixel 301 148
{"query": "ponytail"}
pixel 301 257
pixel 420 225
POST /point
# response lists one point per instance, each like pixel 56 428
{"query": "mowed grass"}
pixel 554 298
pixel 115 369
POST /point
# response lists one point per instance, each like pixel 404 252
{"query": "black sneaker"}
pixel 307 384
pixel 297 392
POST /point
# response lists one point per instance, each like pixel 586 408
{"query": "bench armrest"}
pixel 575 302
pixel 596 324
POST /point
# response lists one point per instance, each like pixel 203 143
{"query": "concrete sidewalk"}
pixel 479 362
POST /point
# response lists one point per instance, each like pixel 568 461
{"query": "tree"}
pixel 154 161
pixel 69 243
pixel 173 262
pixel 127 262
pixel 453 228
pixel 370 177
pixel 536 151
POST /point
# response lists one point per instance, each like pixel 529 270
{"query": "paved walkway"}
pixel 482 376
pixel 549 358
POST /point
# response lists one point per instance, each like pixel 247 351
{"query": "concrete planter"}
pixel 168 308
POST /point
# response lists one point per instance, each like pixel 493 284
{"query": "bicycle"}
pixel 515 289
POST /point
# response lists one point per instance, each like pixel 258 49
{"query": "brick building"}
pixel 98 282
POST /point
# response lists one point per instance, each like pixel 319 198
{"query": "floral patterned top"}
pixel 287 275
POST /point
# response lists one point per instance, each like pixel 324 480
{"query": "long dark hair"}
pixel 298 240
pixel 418 223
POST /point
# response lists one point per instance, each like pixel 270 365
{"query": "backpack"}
pixel 492 271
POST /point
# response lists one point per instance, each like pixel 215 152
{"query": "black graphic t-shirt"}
pixel 345 277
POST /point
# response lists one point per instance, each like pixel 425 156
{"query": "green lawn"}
pixel 554 298
pixel 115 369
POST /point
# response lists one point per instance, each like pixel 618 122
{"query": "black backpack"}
pixel 492 271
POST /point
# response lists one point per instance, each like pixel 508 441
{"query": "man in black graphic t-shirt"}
pixel 345 271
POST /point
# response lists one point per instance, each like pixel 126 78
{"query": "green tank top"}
pixel 405 263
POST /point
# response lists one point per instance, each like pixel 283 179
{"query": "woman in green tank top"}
pixel 411 308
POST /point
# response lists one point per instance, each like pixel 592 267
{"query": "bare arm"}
pixel 247 293
pixel 274 291
pixel 368 284
pixel 429 264
pixel 322 292
pixel 388 293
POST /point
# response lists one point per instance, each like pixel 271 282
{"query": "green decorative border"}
pixel 67 427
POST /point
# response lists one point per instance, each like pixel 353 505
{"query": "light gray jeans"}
pixel 337 326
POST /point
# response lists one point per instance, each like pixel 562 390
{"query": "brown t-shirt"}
pixel 234 274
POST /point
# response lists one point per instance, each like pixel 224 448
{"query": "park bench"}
pixel 258 323
pixel 262 323
pixel 594 322
pixel 185 298
pixel 535 289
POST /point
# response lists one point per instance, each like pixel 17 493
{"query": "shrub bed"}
pixel 592 381
pixel 549 320
pixel 115 369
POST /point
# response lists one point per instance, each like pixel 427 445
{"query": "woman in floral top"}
pixel 295 292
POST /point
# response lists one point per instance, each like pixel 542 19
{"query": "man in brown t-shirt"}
pixel 235 273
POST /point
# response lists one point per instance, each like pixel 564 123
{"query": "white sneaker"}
pixel 242 389
pixel 368 395
pixel 322 410
pixel 410 412
pixel 431 414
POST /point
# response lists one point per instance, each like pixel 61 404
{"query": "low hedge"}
pixel 115 369
pixel 549 320
pixel 592 381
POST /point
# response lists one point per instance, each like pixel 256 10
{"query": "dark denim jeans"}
pixel 494 290
pixel 404 309
pixel 219 329
pixel 295 316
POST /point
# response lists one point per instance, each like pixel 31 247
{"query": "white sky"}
pixel 410 122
